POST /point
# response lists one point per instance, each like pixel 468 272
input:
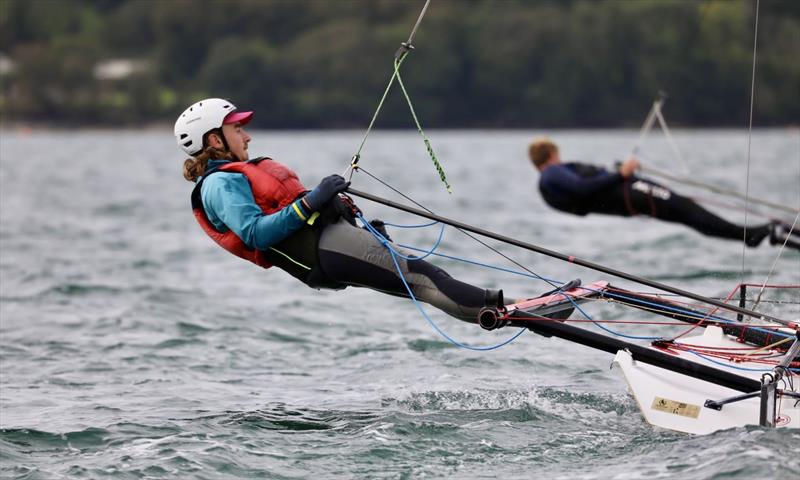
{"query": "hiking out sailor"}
pixel 260 211
pixel 581 188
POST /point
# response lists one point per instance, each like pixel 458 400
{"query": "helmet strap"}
pixel 221 134
pixel 226 148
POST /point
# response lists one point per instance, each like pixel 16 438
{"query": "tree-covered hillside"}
pixel 325 63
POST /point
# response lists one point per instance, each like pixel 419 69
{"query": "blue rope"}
pixel 539 277
pixel 433 324
pixel 691 314
pixel 688 313
pixel 411 226
pixel 393 252
pixel 410 258
pixel 430 252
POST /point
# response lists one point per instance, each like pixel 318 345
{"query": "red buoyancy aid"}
pixel 274 187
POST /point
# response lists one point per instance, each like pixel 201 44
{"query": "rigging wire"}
pixel 655 114
pixel 394 254
pixel 564 257
pixel 662 95
pixel 425 140
pixel 354 160
pixel 750 136
pixel 399 57
pixel 468 234
pixel 414 30
pixel 774 262
pixel 733 206
pixel 647 125
pixel 749 141
pixel 612 295
pixel 734 367
pixel 720 190
pixel 652 116
pixel 615 296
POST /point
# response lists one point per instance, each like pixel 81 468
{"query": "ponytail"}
pixel 195 167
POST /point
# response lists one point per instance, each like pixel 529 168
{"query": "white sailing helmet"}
pixel 202 117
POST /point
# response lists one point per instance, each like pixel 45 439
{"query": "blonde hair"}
pixel 540 151
pixel 195 167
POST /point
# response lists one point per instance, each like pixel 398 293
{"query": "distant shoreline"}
pixel 164 126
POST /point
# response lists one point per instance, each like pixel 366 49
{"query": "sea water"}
pixel 131 346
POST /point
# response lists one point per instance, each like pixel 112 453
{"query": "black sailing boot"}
pixel 494 298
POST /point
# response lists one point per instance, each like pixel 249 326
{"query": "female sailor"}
pixel 260 211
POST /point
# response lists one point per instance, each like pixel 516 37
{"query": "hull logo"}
pixel 675 407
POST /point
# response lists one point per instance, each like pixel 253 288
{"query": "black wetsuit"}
pixel 352 256
pixel 335 253
pixel 581 189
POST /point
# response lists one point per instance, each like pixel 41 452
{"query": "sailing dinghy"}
pixel 721 371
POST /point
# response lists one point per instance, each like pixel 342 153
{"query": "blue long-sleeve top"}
pixel 573 187
pixel 577 179
pixel 229 204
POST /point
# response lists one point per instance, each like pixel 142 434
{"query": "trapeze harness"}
pixel 274 187
pixel 636 196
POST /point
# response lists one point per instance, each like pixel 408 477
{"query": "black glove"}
pixel 381 228
pixel 327 188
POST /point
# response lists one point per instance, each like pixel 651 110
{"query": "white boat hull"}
pixel 674 401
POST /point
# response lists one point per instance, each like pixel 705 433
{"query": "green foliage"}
pixel 478 63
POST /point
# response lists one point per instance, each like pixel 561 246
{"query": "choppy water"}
pixel 132 347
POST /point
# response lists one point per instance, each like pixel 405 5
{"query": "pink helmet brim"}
pixel 238 117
